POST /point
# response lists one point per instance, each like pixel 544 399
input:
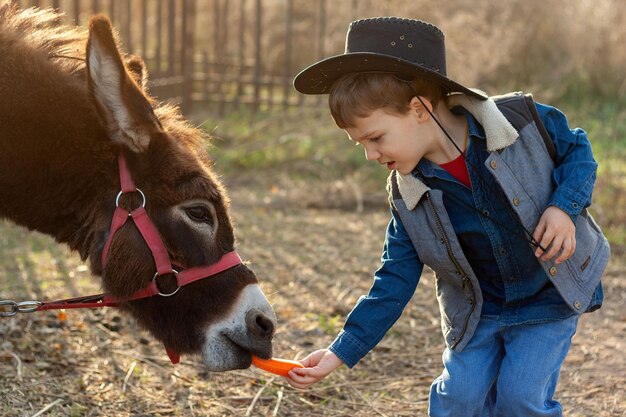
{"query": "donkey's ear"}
pixel 126 110
pixel 137 69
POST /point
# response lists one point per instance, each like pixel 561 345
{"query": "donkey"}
pixel 77 126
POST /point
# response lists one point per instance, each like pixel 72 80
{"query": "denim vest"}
pixel 522 166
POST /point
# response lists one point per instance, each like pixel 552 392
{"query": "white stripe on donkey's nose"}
pixel 248 328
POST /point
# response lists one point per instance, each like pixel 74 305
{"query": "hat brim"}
pixel 319 77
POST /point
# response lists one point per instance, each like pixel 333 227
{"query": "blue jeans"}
pixel 504 371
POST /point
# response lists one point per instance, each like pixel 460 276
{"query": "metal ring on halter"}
pixel 143 196
pixel 175 272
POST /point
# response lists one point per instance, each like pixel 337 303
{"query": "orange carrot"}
pixel 275 366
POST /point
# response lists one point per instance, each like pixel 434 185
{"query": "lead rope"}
pixel 528 237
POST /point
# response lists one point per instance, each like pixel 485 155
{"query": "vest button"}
pixel 493 164
pixel 553 271
pixel 515 201
pixel 577 304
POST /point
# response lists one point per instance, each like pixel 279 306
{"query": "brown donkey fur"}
pixel 69 104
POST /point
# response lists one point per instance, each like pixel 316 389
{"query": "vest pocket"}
pixel 578 277
pixel 588 243
pixel 450 304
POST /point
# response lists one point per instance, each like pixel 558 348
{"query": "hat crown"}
pixel 408 39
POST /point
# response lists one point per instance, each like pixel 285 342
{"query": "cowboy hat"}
pixel 406 47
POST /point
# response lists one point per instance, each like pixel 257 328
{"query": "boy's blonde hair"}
pixel 359 94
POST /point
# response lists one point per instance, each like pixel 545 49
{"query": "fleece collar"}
pixel 499 132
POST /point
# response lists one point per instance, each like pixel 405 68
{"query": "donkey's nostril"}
pixel 259 324
pixel 265 324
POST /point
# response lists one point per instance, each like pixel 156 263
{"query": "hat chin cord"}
pixel 445 132
pixel 527 236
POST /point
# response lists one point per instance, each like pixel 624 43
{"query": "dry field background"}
pixel 314 253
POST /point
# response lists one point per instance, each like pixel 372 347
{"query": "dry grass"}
pixel 314 263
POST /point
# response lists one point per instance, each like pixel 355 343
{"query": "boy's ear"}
pixel 417 106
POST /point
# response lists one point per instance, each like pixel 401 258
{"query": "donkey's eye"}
pixel 199 214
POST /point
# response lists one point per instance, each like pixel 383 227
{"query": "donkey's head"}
pixel 225 317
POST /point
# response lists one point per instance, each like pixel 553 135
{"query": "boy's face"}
pixel 397 141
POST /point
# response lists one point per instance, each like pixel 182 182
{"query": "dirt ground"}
pixel 315 254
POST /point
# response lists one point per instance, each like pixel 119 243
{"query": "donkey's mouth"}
pixel 240 352
pixel 246 331
pixel 229 352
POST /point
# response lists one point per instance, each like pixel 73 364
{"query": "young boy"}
pixel 488 192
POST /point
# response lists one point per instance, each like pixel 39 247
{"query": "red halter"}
pixel 159 253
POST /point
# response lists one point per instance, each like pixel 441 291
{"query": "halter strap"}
pixel 159 252
pixel 185 277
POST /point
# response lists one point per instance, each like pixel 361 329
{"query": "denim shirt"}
pixel 514 286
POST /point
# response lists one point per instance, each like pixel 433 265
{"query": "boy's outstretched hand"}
pixel 317 366
pixel 556 230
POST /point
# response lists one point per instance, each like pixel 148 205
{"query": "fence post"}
pixel 241 55
pixel 257 58
pixel 322 34
pixel 159 32
pixel 127 19
pixel 112 12
pixel 287 66
pixel 206 67
pixel 144 28
pixel 76 6
pixel 187 54
pixel 171 33
pixel 218 22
